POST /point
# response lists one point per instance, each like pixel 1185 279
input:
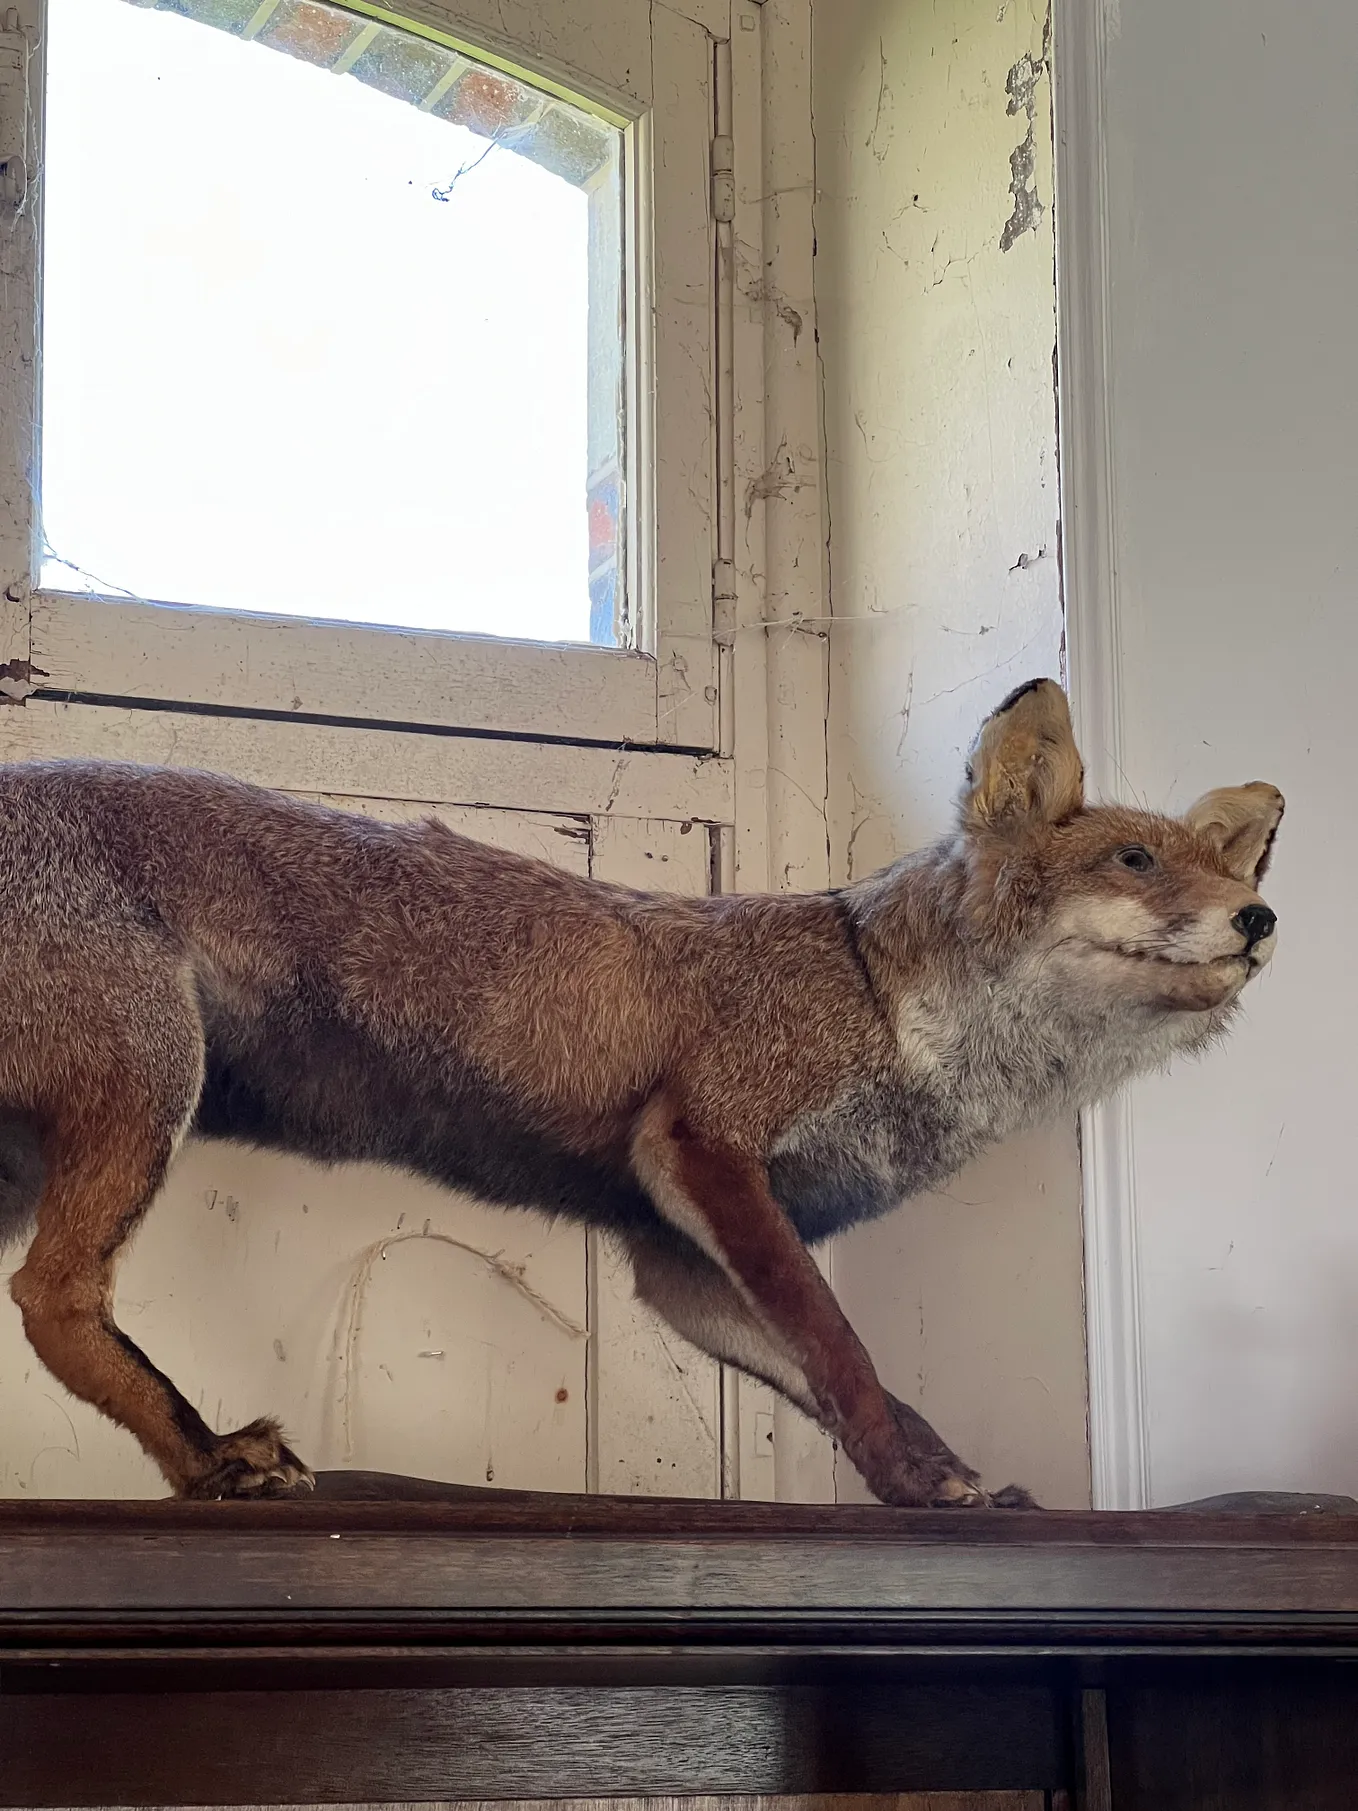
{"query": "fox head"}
pixel 1123 909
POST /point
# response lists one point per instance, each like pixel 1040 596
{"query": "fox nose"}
pixel 1254 922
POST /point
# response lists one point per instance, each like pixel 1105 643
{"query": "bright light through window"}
pixel 332 333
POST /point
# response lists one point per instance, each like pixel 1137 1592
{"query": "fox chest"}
pixel 863 1156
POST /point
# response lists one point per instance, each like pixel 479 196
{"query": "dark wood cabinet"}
pixel 496 1647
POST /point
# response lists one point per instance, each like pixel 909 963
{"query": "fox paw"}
pixel 928 1481
pixel 1014 1496
pixel 252 1463
pixel 930 1475
pixel 966 1493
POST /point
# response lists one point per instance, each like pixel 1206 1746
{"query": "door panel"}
pixel 381 764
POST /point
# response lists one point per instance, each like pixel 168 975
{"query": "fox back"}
pixel 189 955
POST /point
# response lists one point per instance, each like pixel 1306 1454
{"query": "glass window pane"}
pixel 332 333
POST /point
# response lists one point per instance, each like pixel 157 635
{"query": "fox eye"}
pixel 1139 860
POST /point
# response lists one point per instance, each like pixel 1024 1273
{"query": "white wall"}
pixel 935 303
pixel 1232 147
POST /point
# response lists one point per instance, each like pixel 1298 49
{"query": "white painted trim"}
pixel 1119 1460
pixel 509 774
pixel 682 324
pixel 1117 1421
pixel 745 676
pixel 790 551
pixel 22 58
pixel 105 647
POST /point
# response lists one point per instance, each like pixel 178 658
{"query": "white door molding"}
pixel 1117 1426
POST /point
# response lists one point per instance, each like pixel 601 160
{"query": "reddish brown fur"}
pixel 661 1066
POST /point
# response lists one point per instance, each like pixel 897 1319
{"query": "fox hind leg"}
pixel 111 1119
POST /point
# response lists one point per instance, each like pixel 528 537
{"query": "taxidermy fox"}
pixel 717 1083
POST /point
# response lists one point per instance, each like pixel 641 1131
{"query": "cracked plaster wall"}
pixel 935 300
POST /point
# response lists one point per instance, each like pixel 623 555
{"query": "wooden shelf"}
pixel 597 1571
pixel 493 1645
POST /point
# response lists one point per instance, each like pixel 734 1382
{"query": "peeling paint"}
pixel 16 680
pixel 1028 209
pixel 1021 87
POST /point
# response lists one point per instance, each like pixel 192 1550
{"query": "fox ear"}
pixel 1025 769
pixel 1241 823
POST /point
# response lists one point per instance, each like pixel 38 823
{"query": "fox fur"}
pixel 718 1083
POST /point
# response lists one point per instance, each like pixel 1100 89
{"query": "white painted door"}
pixel 390 1325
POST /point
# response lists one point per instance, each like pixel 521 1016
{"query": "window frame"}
pixel 662 693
